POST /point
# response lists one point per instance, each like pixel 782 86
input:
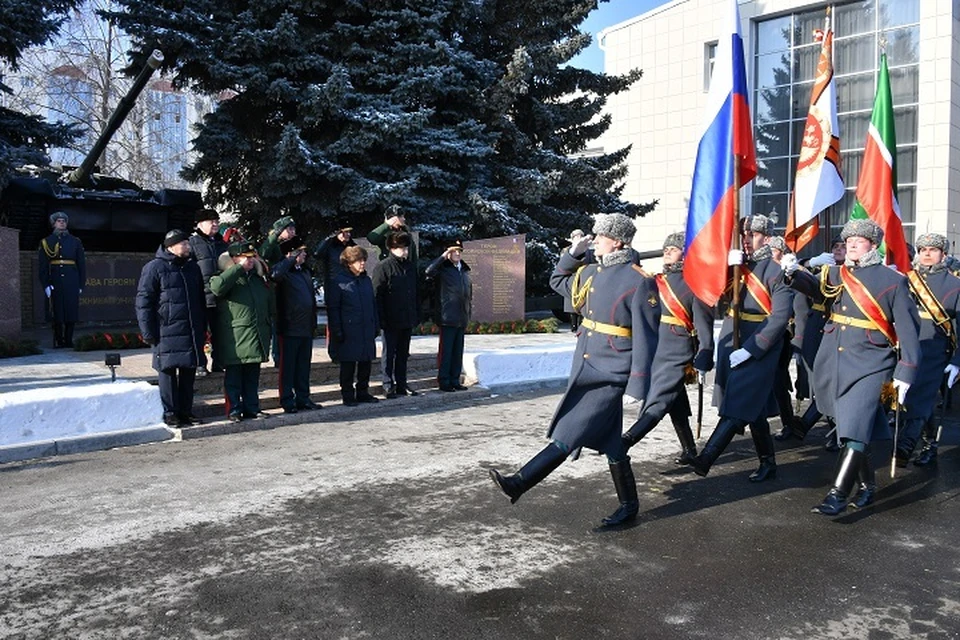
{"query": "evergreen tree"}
pixel 24 137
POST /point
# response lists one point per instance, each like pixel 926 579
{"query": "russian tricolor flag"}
pixel 727 132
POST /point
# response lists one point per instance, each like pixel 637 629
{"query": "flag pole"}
pixel 735 303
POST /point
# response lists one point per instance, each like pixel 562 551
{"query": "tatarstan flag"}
pixel 877 186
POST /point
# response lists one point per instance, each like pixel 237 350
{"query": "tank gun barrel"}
pixel 81 174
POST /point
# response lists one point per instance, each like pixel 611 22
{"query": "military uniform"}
pixel 62 266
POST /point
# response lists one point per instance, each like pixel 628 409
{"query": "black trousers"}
pixel 176 390
pixel 349 369
pixel 241 384
pixel 295 354
pixel 396 352
pixel 450 356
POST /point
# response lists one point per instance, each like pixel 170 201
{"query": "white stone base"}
pixel 524 365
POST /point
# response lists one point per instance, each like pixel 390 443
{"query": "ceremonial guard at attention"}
pixel 684 347
pixel 872 316
pixel 745 375
pixel 63 270
pixel 937 292
pixel 615 348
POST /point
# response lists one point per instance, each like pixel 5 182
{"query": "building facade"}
pixel 662 114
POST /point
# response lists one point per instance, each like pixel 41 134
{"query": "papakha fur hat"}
pixel 615 225
pixel 779 243
pixel 862 228
pixel 761 223
pixel 677 239
pixel 933 240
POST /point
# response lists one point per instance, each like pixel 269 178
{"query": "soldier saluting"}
pixel 63 270
pixel 872 314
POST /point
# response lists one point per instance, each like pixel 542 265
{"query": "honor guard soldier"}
pixel 615 348
pixel 744 389
pixel 63 271
pixel 937 292
pixel 872 314
pixel 684 346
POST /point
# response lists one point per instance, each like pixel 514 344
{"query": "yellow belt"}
pixel 816 306
pixel 63 262
pixel 749 317
pixel 925 315
pixel 609 329
pixel 854 322
pixel 665 319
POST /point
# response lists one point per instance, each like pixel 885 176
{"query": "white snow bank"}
pixel 522 365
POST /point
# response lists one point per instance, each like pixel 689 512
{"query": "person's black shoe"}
pixel 189 420
pixel 202 372
pixel 447 387
pixel 459 387
pixel 235 416
pixel 170 419
pixel 903 458
pixel 366 398
pixel 391 394
pixel 309 405
pixel 290 410
pixel 259 415
pixel 410 392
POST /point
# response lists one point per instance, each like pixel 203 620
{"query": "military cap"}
pixel 58 215
pixel 677 240
pixel 456 245
pixel 862 228
pixel 616 226
pixel 175 236
pixel 283 223
pixel 932 240
pixel 242 249
pixel 293 244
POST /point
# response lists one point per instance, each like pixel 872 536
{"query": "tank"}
pixel 107 213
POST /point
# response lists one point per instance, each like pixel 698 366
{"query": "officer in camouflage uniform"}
pixel 615 348
pixel 62 268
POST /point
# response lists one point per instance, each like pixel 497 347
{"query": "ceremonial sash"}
pixel 867 304
pixel 51 253
pixel 932 305
pixel 673 304
pixel 758 290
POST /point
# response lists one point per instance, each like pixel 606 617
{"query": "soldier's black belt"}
pixel 608 329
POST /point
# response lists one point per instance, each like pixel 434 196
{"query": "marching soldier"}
pixel 63 270
pixel 684 344
pixel 871 315
pixel 615 348
pixel 937 292
pixel 743 390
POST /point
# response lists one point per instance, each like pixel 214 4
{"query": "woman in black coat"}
pixel 353 323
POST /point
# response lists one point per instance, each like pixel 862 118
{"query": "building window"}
pixel 709 57
pixel 785 60
pixel 69 100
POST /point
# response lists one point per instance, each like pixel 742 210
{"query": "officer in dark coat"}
pixel 685 342
pixel 206 246
pixel 296 322
pixel 745 375
pixel 616 343
pixel 395 285
pixel 455 292
pixel 327 257
pixel 871 312
pixel 63 271
pixel 170 311
pixel 937 292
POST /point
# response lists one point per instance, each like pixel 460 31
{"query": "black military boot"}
pixel 539 467
pixel 68 335
pixel 835 501
pixel 928 452
pixel 763 442
pixel 719 439
pixel 626 486
pixel 57 335
pixel 868 482
pixel 644 425
pixel 910 432
pixel 685 434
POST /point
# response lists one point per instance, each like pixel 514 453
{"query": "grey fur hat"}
pixel 616 226
pixel 862 228
pixel 934 240
pixel 779 243
pixel 677 239
pixel 763 224
pixel 58 215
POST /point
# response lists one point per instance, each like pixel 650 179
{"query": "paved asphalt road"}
pixel 389 528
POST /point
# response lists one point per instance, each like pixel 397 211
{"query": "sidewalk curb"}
pixel 86 443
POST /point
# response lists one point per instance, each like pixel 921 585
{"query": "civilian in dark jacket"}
pixel 395 285
pixel 170 312
pixel 296 321
pixel 352 318
pixel 456 297
pixel 206 245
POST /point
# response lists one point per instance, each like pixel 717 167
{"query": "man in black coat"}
pixel 170 311
pixel 206 246
pixel 296 321
pixel 395 286
pixel 456 303
pixel 63 270
pixel 327 256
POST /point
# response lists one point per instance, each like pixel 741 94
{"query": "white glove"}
pixel 789 263
pixel 580 245
pixel 822 260
pixel 902 388
pixel 735 257
pixel 81 291
pixel 48 290
pixel 893 267
pixel 952 372
pixel 701 376
pixel 628 399
pixel 738 357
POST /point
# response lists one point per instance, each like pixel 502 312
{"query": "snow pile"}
pixel 522 365
pixel 36 415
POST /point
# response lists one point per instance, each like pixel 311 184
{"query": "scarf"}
pixel 868 259
pixel 925 270
pixel 762 253
pixel 676 267
pixel 623 256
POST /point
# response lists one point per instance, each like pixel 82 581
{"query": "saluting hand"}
pixel 580 245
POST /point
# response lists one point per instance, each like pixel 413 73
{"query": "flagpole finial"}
pixel 883 43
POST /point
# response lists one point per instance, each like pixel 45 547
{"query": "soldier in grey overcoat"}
pixel 62 268
pixel 616 342
pixel 858 353
pixel 938 346
pixel 683 343
pixel 744 381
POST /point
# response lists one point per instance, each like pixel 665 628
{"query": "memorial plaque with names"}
pixel 498 271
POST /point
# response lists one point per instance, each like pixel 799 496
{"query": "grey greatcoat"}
pixel 677 348
pixel 936 352
pixel 605 366
pixel 746 392
pixel 853 363
pixel 62 265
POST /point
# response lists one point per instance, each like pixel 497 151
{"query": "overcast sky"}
pixel 605 15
